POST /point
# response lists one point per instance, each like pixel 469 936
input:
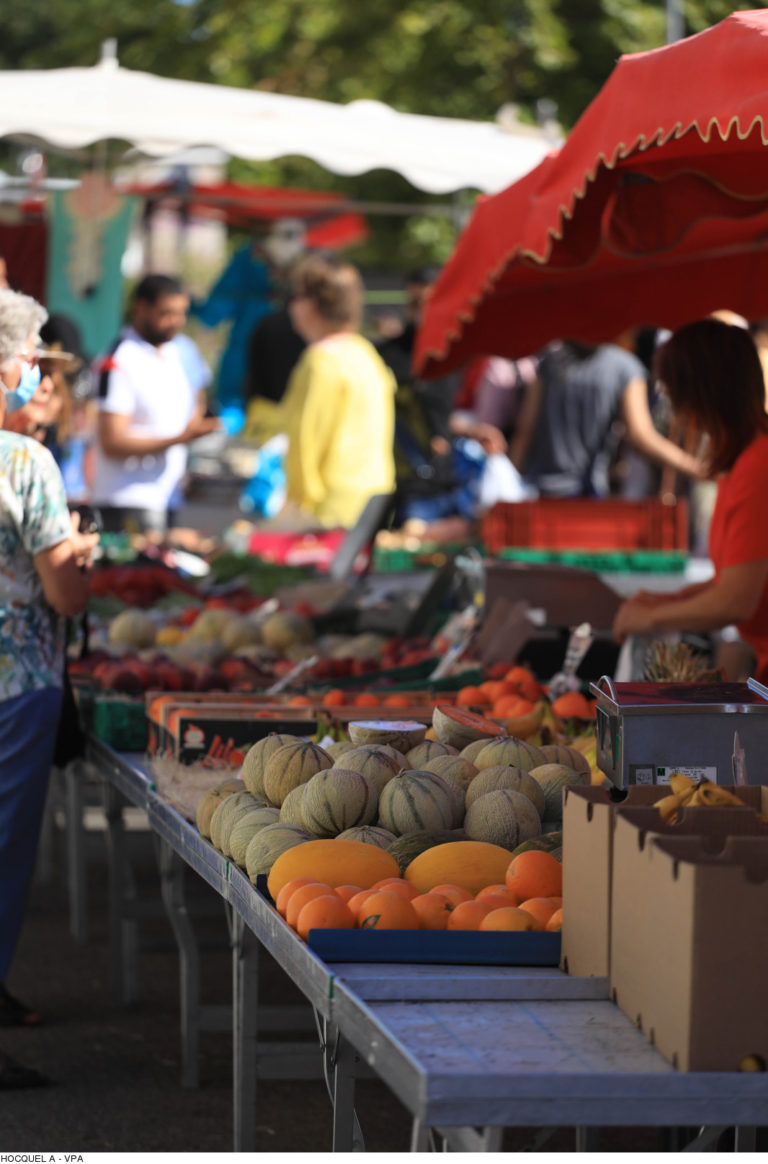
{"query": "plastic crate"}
pixel 120 721
pixel 602 561
pixel 587 524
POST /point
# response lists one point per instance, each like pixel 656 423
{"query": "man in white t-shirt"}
pixel 148 413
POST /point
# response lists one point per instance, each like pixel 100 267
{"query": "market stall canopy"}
pixel 327 221
pixel 654 211
pixel 74 108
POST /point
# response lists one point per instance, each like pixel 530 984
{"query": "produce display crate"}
pixel 386 560
pixel 456 947
pixel 587 524
pixel 690 939
pixel 590 816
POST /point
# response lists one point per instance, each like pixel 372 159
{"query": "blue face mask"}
pixel 28 385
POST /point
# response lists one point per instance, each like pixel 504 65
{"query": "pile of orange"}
pixel 574 705
pixel 530 899
pixel 516 694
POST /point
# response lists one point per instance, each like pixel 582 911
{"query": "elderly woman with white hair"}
pixel 42 581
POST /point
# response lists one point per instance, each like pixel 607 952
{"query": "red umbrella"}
pixel 654 212
pixel 329 223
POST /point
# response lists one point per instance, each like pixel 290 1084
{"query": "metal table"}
pixel 469 1050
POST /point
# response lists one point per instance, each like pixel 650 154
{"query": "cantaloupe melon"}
pixel 292 765
pixel 333 862
pixel 547 843
pixel 337 799
pixel 553 779
pixel 473 750
pixel 418 800
pixel 377 763
pixel 504 817
pixel 338 748
pixel 400 734
pixel 240 632
pixel 267 845
pixel 457 769
pixel 132 628
pixel 246 827
pixel 210 624
pixel 562 754
pixel 457 727
pixel 428 750
pixel 471 864
pixel 256 760
pixel 368 835
pixel 232 814
pixel 505 776
pixel 224 814
pixel 210 801
pixel 285 629
pixel 290 811
pixel 517 753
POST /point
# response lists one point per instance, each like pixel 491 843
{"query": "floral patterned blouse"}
pixel 33 517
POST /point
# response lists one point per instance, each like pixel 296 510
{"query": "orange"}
pixel 525 683
pixel 511 706
pixel 496 688
pixel 540 909
pixel 287 891
pixel 555 923
pixel 573 705
pixel 468 915
pixel 432 910
pixel 345 892
pixel 497 891
pixel 327 912
pixel 366 699
pixel 300 701
pixel 300 898
pixel 397 885
pixel 397 700
pixel 335 698
pixel 472 697
pixel 499 900
pixel 455 894
pixel 534 874
pixel 385 910
pixel 508 918
pixel 357 902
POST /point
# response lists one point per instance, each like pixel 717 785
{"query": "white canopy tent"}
pixel 70 109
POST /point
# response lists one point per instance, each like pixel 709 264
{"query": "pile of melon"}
pixel 392 789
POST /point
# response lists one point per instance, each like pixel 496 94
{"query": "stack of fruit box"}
pixel 676 915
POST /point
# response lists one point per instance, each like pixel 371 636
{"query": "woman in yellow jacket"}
pixel 339 407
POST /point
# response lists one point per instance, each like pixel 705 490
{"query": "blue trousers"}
pixel 28 726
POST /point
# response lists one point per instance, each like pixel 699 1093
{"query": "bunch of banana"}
pixel 694 793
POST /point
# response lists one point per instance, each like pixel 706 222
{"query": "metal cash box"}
pixel 647 730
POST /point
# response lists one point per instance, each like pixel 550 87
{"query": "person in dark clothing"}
pixel 273 352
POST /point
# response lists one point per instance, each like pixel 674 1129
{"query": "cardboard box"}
pixel 589 820
pixel 690 939
pixel 588 823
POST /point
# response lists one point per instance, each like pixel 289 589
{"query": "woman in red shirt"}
pixel 713 377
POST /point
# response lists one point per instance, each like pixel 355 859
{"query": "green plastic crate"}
pixel 120 721
pixel 602 561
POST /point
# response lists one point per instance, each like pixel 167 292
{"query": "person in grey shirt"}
pixel 568 427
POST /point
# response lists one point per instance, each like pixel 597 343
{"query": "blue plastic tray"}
pixel 454 947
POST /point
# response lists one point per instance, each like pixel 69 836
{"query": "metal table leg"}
pixel 245 968
pixel 172 888
pixel 344 1061
pixel 74 777
pixel 123 930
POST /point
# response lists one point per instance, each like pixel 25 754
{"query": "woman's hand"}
pixel 83 544
pixel 634 617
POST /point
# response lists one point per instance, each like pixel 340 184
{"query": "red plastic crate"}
pixel 587 524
